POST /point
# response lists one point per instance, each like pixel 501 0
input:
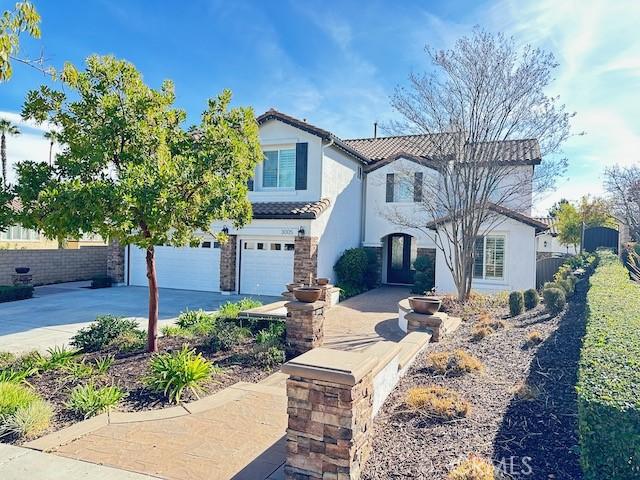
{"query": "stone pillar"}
pixel 305 326
pixel 305 260
pixel 228 255
pixel 330 295
pixel 330 408
pixel 115 261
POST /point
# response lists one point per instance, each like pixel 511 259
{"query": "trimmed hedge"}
pixel 356 272
pixel 516 303
pixel 609 375
pixel 9 293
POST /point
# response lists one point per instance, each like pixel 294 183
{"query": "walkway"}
pixel 238 433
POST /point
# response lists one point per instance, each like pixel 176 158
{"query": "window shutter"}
pixel 301 165
pixel 390 181
pixel 250 184
pixel 417 187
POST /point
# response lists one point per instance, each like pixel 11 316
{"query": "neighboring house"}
pixel 315 196
pixel 548 244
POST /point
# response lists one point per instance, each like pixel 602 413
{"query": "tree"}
pixel 483 91
pixel 6 129
pixel 51 136
pixel 555 208
pixel 13 23
pixel 128 170
pixel 595 212
pixel 569 224
pixel 623 186
pixel 588 212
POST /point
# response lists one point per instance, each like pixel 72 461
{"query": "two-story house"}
pixel 314 196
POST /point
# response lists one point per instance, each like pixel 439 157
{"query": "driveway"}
pixel 57 312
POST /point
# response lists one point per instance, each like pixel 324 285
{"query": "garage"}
pixel 266 266
pixel 182 268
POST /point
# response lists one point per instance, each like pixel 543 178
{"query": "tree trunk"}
pixel 152 331
pixel 3 154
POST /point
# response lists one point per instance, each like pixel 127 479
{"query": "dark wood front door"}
pixel 399 258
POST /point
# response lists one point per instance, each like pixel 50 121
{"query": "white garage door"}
pixel 266 266
pixel 183 268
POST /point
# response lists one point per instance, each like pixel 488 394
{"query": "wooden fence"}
pixel 546 268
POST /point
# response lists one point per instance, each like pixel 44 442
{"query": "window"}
pixel 488 262
pixel 205 244
pixel 276 246
pixel 290 247
pixel 260 246
pixel 403 188
pixel 279 169
pixel 16 232
pixel 249 246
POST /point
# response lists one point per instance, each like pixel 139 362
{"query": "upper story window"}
pixel 404 187
pixel 18 233
pixel 279 169
pixel 488 262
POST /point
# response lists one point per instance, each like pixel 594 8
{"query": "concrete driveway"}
pixel 57 312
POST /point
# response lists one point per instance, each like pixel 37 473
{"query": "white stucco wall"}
pixel 277 135
pixel 520 262
pixel 546 242
pixel 339 227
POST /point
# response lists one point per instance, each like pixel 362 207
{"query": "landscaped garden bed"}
pixel 107 368
pixel 498 394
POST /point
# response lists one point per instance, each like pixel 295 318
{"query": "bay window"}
pixel 488 262
pixel 279 169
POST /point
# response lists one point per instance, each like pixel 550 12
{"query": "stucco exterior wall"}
pixel 519 267
pixel 547 243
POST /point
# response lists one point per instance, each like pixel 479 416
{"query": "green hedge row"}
pixel 9 293
pixel 609 375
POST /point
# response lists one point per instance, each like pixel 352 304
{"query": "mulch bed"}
pixel 128 371
pixel 526 439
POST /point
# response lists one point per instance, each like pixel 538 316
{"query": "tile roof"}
pixel 293 210
pixel 551 223
pixel 507 212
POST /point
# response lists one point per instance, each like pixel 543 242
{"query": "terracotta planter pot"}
pixel 322 281
pixel 292 286
pixel 307 294
pixel 425 305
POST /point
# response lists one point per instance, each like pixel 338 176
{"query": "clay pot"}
pixel 425 305
pixel 292 286
pixel 22 270
pixel 307 294
pixel 322 281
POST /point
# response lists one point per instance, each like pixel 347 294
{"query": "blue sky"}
pixel 337 63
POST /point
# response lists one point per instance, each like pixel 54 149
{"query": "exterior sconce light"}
pixel 301 232
pixel 545 243
pixel 225 230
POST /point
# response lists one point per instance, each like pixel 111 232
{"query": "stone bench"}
pixel 439 324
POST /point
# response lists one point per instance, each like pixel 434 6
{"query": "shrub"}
pixel 516 303
pixel 273 336
pixel 485 320
pixel 57 358
pixel 191 318
pixel 175 331
pixel 454 363
pixel 79 370
pixel 172 373
pixel 129 341
pixel 534 338
pixel 7 359
pixel 14 396
pixel 525 392
pixel 269 357
pixel 608 375
pixel 231 310
pixel 28 421
pixel 554 299
pixel 226 336
pixel 101 281
pixel 9 293
pixel 473 468
pixel 481 331
pixel 356 271
pixel 531 298
pixel 14 376
pixel 87 400
pixel 424 276
pixel 103 364
pixel 437 402
pixel 107 331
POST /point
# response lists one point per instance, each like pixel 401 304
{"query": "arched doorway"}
pixel 401 251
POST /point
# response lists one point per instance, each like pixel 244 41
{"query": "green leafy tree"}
pixel 590 212
pixel 128 170
pixel 569 224
pixel 13 23
pixel 6 129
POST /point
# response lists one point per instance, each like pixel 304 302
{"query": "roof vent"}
pixel 375 129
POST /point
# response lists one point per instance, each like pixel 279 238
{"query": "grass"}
pixel 28 421
pixel 473 468
pixel 534 337
pixel 525 392
pixel 457 362
pixel 87 400
pixel 14 396
pixel 437 402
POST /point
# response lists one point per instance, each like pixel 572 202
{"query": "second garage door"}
pixel 266 266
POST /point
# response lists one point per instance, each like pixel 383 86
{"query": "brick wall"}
pixel 228 264
pixel 305 260
pixel 53 266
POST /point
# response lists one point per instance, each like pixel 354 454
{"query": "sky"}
pixel 337 63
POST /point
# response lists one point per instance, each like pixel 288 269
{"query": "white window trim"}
pixel 21 240
pixel 493 281
pixel 277 148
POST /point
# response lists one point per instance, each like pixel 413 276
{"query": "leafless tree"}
pixel 623 187
pixel 482 106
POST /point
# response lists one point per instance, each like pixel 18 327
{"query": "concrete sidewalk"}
pixel 17 463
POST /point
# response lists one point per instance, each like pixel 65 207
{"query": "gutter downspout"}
pixel 363 216
pixel 322 147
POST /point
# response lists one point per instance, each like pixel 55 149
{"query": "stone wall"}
pixel 54 266
pixel 228 252
pixel 305 260
pixel 115 261
pixel 305 326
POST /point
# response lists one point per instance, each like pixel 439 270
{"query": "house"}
pixel 548 244
pixel 316 195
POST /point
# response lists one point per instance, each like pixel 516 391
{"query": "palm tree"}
pixel 51 136
pixel 6 128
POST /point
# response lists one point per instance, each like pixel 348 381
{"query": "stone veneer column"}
pixel 305 326
pixel 305 260
pixel 228 255
pixel 115 261
pixel 330 408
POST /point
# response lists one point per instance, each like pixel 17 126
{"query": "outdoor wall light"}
pixel 225 230
pixel 301 232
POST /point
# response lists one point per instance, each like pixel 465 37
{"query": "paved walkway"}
pixel 239 433
pixel 58 311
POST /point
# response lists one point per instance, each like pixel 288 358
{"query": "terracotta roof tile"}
pixel 285 210
pixel 507 212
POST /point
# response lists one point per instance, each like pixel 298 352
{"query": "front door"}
pixel 399 259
